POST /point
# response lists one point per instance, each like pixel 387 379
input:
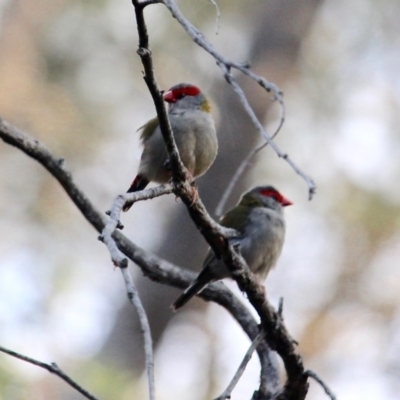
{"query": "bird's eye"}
pixel 179 96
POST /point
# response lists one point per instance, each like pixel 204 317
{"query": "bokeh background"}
pixel 69 76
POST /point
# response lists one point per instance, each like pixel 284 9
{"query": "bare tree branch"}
pixel 212 232
pixel 324 386
pixel 228 391
pixel 145 3
pixel 150 193
pixel 115 212
pixel 53 368
pixel 226 66
pixel 278 338
pixel 177 168
pixel 199 39
pixel 218 16
pixel 239 91
pixel 245 164
pixel 57 168
pixel 153 267
pixel 134 298
pixel 219 210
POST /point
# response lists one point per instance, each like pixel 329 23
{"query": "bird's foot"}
pixel 195 191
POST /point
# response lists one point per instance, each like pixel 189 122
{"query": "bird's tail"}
pixel 139 183
pixel 204 278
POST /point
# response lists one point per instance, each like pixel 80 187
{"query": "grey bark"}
pixel 279 28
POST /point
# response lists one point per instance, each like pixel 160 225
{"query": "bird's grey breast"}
pixel 196 139
pixel 263 239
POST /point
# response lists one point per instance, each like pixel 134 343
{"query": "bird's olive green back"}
pixel 148 129
pixel 236 218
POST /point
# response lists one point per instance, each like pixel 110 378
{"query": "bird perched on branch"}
pixel 258 217
pixel 194 132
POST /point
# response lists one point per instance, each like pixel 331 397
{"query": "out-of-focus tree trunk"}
pixel 279 28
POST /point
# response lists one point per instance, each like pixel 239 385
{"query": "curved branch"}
pixel 277 336
pixel 177 167
pixel 324 386
pixel 226 394
pixel 226 66
pixel 152 266
pixel 134 298
pixel 53 368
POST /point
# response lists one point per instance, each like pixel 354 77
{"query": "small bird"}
pixel 258 217
pixel 194 132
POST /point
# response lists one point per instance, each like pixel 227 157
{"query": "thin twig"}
pixel 324 386
pixel 115 213
pixel 226 65
pixel 134 298
pixel 214 234
pixel 178 170
pixel 245 164
pixel 120 261
pixel 219 210
pixel 110 227
pixel 153 267
pixel 200 40
pixel 261 130
pixel 218 16
pixel 146 194
pixel 278 338
pixel 53 368
pixel 238 374
pixel 145 3
pixel 164 272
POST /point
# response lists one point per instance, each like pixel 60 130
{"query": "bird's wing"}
pixel 148 129
pixel 236 218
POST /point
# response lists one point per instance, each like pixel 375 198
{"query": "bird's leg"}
pixel 195 191
pixel 189 177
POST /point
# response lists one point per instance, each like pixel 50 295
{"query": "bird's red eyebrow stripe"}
pixel 268 192
pixel 187 91
pixel 277 196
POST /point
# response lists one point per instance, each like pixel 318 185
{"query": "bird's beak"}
pixel 285 202
pixel 169 97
